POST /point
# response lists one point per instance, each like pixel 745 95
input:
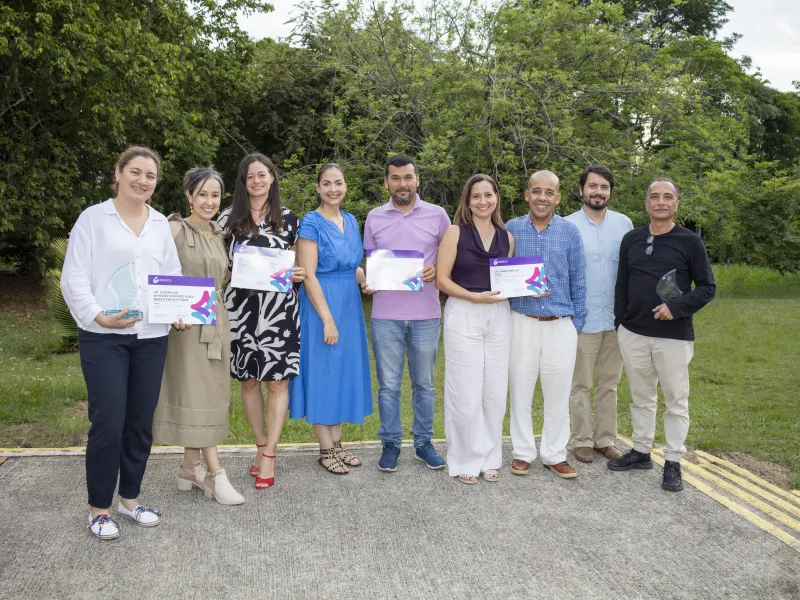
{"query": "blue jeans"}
pixel 391 341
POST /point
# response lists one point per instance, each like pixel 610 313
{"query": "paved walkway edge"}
pixel 775 511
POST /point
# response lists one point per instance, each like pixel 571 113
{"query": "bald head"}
pixel 544 178
pixel 543 196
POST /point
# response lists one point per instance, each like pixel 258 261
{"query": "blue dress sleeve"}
pixel 309 227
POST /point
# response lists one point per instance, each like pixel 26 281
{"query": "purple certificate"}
pixel 518 276
pixel 396 270
pixel 171 297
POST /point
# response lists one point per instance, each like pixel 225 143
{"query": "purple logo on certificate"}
pixel 537 282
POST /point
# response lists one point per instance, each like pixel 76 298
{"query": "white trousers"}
pixel 546 350
pixel 649 361
pixel 476 352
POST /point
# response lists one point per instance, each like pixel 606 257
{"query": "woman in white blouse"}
pixel 113 247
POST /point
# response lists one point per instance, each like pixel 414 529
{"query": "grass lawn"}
pixel 745 378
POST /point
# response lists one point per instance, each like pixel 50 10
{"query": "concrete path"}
pixel 413 534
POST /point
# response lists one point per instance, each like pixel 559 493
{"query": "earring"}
pixel 191 209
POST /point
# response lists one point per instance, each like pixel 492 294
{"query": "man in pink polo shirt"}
pixel 406 323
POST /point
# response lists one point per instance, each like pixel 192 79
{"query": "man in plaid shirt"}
pixel 544 332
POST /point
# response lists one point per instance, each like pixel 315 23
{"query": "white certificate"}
pixel 398 270
pixel 518 276
pixel 256 268
pixel 170 298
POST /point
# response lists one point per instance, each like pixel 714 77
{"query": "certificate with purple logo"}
pixel 267 269
pixel 171 297
pixel 518 276
pixel 396 270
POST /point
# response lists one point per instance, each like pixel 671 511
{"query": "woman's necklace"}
pixel 205 230
pixel 487 238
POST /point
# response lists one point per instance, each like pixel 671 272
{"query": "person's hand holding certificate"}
pixel 518 276
pixel 397 270
pixel 257 268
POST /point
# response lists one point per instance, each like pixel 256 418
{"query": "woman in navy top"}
pixel 477 329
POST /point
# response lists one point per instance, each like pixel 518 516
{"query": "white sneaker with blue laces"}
pixel 103 527
pixel 141 515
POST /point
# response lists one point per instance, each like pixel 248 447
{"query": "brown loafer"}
pixel 610 452
pixel 584 454
pixel 520 467
pixel 563 470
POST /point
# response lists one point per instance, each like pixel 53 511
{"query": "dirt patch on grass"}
pixel 79 409
pixel 21 295
pixel 33 435
pixel 775 474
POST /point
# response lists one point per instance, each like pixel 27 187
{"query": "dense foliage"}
pixel 643 86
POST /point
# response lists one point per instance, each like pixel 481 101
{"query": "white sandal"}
pixel 218 486
pixel 468 479
pixel 491 475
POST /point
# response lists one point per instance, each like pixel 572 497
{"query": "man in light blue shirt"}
pixel 598 357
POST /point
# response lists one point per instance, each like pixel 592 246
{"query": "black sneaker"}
pixel 672 476
pixel 632 459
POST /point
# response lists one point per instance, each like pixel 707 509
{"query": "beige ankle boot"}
pixel 190 476
pixel 216 485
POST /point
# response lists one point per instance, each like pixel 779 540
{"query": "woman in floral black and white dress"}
pixel 265 328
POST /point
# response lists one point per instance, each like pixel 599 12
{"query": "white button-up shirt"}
pixel 99 245
pixel 601 247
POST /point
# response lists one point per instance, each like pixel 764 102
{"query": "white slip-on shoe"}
pixel 103 527
pixel 217 486
pixel 189 477
pixel 141 515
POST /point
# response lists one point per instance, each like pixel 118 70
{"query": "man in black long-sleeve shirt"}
pixel 656 338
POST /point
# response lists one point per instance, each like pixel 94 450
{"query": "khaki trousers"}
pixel 648 362
pixel 598 362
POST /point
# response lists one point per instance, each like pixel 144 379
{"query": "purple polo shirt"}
pixel 421 229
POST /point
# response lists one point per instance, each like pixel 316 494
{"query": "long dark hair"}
pixel 463 215
pixel 240 221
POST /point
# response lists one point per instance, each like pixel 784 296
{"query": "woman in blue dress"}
pixel 334 381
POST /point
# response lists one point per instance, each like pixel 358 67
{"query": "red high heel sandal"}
pixel 262 484
pixel 254 468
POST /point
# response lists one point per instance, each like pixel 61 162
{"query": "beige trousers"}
pixel 598 362
pixel 648 362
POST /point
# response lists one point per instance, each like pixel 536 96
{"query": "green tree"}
pixel 84 79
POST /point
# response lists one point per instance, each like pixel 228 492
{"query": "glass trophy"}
pixel 667 287
pixel 125 290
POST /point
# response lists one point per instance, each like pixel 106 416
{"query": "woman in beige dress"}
pixel 195 390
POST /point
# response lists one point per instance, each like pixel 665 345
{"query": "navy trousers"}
pixel 123 379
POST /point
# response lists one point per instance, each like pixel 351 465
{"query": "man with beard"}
pixel 406 323
pixel 598 359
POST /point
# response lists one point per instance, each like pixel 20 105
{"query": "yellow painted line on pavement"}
pixel 737 508
pixel 739 493
pixel 170 449
pixel 750 487
pixel 794 495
